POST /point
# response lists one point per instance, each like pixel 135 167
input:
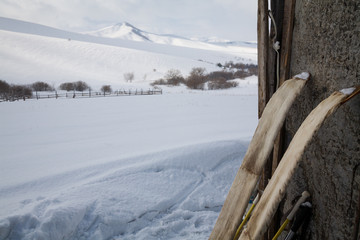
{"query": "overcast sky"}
pixel 227 19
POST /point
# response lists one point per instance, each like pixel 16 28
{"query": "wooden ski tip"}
pixel 303 76
pixel 305 194
pixel 350 92
pixel 301 200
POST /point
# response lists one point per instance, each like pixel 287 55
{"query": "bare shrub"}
pixel 159 82
pixel 74 86
pixel 20 91
pixel 241 74
pixel 4 90
pixel 41 86
pixel 14 92
pixel 242 69
pixel 196 79
pixel 253 69
pixel 221 83
pixel 174 77
pixel 221 74
pixel 129 77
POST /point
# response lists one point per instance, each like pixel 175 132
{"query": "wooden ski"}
pixel 275 190
pixel 259 149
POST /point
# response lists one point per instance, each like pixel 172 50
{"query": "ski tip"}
pixel 304 76
pixel 350 93
pixel 347 91
pixel 305 194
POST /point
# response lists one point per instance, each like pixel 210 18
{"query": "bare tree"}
pixel 74 86
pixel 4 90
pixel 106 89
pixel 129 77
pixel 41 86
pixel 81 86
pixel 68 86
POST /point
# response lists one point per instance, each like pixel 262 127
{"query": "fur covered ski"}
pixel 259 149
pixel 275 190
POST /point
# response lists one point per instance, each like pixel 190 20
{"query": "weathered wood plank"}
pixel 253 163
pixel 263 46
pixel 275 191
pixel 286 42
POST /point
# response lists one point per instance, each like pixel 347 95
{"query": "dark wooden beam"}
pixel 285 35
pixel 285 53
pixel 263 46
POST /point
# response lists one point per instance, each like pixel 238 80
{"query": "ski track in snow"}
pixel 65 206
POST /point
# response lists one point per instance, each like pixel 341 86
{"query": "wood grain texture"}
pixel 258 151
pixel 276 188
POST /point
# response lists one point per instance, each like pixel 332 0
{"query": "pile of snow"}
pixel 136 167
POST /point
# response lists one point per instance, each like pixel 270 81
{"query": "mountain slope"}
pixel 32 52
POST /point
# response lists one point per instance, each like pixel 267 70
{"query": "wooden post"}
pixel 263 45
pixel 264 73
pixel 284 23
pixel 283 12
pixel 289 12
pixel 285 53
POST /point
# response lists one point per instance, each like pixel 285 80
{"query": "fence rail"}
pixel 83 94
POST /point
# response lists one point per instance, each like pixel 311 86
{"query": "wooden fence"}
pixel 41 95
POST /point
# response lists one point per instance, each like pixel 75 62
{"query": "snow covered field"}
pixel 131 167
pixel 138 167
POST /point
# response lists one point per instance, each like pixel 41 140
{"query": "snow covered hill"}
pixel 32 52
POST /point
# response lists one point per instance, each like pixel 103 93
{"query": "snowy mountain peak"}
pixel 123 26
pixel 122 30
pixel 127 31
